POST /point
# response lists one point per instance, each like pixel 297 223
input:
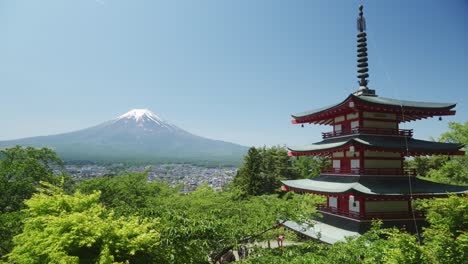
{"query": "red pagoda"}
pixel 367 148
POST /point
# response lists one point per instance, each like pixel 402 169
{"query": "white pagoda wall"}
pixel 387 116
pixel 379 124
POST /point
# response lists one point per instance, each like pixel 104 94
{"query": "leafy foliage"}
pixel 309 166
pixel 202 223
pixel 446 239
pixel 10 225
pixel 458 133
pixel 263 169
pixel 128 193
pixel 424 164
pixel 21 170
pixel 212 222
pixel 453 169
pixel 62 228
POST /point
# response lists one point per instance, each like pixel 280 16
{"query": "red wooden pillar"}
pixel 344 203
pixel 360 117
pixel 362 207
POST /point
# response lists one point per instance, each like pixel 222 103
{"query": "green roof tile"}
pixel 404 103
pixel 322 231
pixel 381 101
pixel 390 143
pixel 377 185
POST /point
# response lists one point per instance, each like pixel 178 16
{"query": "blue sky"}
pixel 229 70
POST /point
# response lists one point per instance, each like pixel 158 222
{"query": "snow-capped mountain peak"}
pixel 145 117
pixel 139 114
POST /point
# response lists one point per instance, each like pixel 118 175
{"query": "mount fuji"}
pixel 136 136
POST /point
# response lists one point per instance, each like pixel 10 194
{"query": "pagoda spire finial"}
pixel 362 50
pixel 363 70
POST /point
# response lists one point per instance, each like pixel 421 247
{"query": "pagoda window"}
pixel 352 116
pixel 351 154
pixel 338 128
pixel 353 204
pixel 339 119
pixel 332 202
pixel 337 164
pixel 354 124
pixel 355 164
pixel 338 154
pixel 374 115
pixel 379 124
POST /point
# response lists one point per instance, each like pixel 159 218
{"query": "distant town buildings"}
pixel 189 175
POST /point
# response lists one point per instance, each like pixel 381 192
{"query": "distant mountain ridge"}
pixel 136 136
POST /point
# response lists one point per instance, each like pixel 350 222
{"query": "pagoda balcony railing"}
pixel 370 215
pixel 372 172
pixel 369 130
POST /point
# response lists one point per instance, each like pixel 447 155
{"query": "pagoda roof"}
pixel 408 146
pixel 373 185
pixel 405 110
pixel 404 103
pixel 322 231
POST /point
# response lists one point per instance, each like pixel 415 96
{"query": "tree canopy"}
pixel 202 223
pixel 61 228
pixel 21 170
pixel 446 169
pixel 263 169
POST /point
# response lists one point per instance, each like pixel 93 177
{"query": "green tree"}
pixel 446 169
pixel 21 170
pixel 446 239
pixel 203 223
pixel 309 166
pixel 62 228
pixel 263 170
pixel 127 194
pixel 458 133
pixel 207 223
pixel 249 178
pixel 455 169
pixel 424 164
pixel 276 166
pixel 10 225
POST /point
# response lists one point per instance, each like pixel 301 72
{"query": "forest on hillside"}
pixel 49 218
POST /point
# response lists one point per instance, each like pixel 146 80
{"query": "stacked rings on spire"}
pixel 362 50
pixel 362 56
